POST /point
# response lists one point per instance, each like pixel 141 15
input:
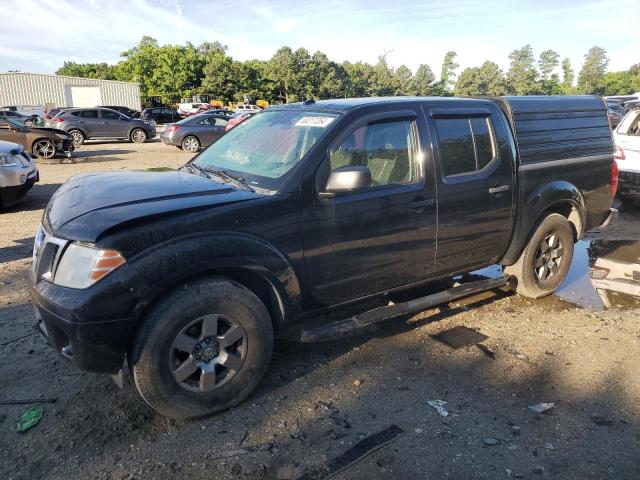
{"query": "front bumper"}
pixel 12 194
pixel 90 328
pixel 65 147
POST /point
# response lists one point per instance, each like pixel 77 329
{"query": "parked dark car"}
pixel 16 117
pixel 126 111
pixel 88 123
pixel 305 209
pixel 42 142
pixel 160 115
pixel 195 132
pixel 616 113
pixel 18 173
pixel 216 111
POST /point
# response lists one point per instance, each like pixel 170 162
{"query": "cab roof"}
pixel 346 104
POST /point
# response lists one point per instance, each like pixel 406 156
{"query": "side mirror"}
pixel 347 179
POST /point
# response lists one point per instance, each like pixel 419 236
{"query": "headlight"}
pixel 81 266
pixel 8 160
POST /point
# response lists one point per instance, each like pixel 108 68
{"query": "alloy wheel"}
pixel 44 149
pixel 191 144
pixel 77 138
pixel 139 136
pixel 208 352
pixel 548 259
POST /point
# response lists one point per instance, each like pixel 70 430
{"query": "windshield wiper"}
pixel 228 178
pixel 192 168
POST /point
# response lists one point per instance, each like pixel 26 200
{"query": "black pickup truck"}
pixel 307 208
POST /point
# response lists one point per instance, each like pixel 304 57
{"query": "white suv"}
pixel 627 140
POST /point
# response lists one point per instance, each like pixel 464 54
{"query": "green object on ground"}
pixel 30 418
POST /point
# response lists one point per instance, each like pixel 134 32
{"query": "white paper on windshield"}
pixel 321 122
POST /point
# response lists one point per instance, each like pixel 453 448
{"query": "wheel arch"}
pixel 559 197
pixel 249 261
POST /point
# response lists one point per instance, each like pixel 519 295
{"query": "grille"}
pixel 46 255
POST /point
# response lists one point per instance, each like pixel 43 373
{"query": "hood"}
pixel 52 130
pixel 86 206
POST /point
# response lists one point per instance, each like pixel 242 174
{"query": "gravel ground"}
pixel 318 401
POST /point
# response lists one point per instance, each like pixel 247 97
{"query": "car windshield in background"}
pixel 268 145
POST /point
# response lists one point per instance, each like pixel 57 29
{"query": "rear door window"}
pixel 86 114
pixel 466 144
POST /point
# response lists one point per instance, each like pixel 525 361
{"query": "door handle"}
pixel 420 204
pixel 501 188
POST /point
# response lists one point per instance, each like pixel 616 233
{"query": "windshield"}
pixel 266 146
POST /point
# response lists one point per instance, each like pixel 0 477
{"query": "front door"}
pixel 378 238
pixel 476 187
pixel 112 124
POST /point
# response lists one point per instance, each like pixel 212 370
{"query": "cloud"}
pixel 50 32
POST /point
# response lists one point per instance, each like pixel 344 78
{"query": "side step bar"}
pixel 335 329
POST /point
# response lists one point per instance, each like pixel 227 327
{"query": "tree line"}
pixel 175 72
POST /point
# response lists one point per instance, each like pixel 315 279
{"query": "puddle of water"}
pixel 603 274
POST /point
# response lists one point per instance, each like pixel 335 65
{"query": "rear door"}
pixel 476 186
pixel 372 240
pixel 88 120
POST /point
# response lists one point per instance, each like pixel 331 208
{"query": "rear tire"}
pixel 545 261
pixel 191 144
pixel 78 137
pixel 184 361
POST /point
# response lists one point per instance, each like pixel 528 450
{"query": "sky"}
pixel 45 33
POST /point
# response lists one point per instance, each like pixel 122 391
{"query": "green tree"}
pixel 616 83
pixel 568 76
pixel 522 74
pixel 220 75
pixel 101 71
pixel 383 82
pixel 547 63
pixel 488 79
pixel 358 78
pixel 139 64
pixel 281 71
pixel 403 78
pixel 448 73
pixel 422 83
pixel 323 78
pixel 593 70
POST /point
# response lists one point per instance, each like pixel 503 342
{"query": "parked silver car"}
pixel 195 132
pixel 18 173
pixel 87 123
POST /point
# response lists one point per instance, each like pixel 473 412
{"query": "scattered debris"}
pixel 522 357
pixel 438 405
pixel 16 339
pixel 458 337
pixel 297 433
pixel 549 446
pixel 358 452
pixel 542 407
pixel 22 401
pixel 538 470
pixel 357 383
pixel 339 420
pixel 244 451
pixel 30 418
pixel 418 430
pixel 601 420
pixel 384 460
pixel 490 441
pixel 244 437
pixel 486 350
pixel 284 468
pixel 515 430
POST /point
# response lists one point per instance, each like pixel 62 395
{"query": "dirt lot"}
pixel 318 401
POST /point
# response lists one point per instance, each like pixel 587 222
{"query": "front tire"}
pixel 138 135
pixel 44 148
pixel 545 261
pixel 202 349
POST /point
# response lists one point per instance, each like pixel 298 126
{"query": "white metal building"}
pixel 52 91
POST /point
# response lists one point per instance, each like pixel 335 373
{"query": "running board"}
pixel 340 327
